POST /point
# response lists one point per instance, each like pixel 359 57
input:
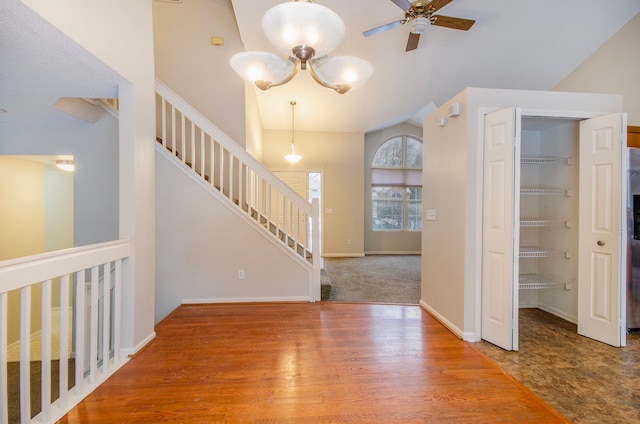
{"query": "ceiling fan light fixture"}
pixel 419 25
pixel 302 23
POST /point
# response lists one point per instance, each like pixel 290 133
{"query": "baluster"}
pixel 106 316
pixel 202 168
pixel 117 311
pixel 211 162
pixel 183 139
pixel 25 353
pixel 221 165
pixel 173 130
pixel 268 205
pixel 4 390
pixel 230 176
pixel 64 339
pixel 193 146
pixel 241 182
pixel 81 316
pixel 277 212
pixel 93 325
pixel 164 123
pixel 45 367
pixel 285 218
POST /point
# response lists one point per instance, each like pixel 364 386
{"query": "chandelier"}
pixel 306 33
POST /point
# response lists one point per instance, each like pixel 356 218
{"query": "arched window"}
pixel 396 185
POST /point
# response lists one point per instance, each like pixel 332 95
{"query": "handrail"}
pixel 230 145
pixel 20 272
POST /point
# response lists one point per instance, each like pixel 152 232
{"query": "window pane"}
pixel 414 216
pixel 386 193
pixel 414 193
pixel 414 153
pixel 387 215
pixel 389 155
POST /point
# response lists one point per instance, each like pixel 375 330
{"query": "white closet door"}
pixel 600 277
pixel 500 209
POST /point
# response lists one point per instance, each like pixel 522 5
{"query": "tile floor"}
pixel 585 380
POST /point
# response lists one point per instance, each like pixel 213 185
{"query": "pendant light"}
pixel 292 157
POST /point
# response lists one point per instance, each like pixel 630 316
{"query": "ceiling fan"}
pixel 419 15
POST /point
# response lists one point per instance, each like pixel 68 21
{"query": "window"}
pixel 396 185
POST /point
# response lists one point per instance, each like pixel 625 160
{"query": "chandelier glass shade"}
pixel 306 32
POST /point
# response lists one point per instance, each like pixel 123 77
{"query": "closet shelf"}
pixel 545 192
pixel 545 161
pixel 535 281
pixel 542 223
pixel 540 252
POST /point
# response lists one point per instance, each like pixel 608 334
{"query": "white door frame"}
pixel 526 113
pixel 308 171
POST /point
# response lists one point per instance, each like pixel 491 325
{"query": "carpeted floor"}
pixel 375 278
pixel 13 380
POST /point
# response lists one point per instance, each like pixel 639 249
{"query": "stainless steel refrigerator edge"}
pixel 633 240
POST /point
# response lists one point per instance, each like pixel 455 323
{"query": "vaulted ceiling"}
pixel 513 44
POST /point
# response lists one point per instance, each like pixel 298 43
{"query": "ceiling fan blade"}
pixel 450 22
pixel 438 4
pixel 412 42
pixel 382 28
pixel 403 4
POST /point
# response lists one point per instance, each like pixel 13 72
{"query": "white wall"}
pixel 201 245
pixel 95 151
pixel 193 68
pixel 340 157
pixel 385 241
pixel 120 33
pixel 614 68
pixel 36 200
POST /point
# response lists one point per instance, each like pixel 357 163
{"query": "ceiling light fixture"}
pixel 293 157
pixel 66 165
pixel 306 32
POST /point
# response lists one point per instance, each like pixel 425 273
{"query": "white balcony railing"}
pixel 82 338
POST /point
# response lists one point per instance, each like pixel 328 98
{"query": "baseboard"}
pixel 385 252
pixel 558 313
pixel 245 300
pixel 343 255
pixel 468 337
pixel 128 352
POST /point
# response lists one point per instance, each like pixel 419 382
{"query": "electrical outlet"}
pixel 241 274
pixel 349 242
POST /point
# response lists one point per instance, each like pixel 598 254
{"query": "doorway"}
pixel 552 207
pixel 307 184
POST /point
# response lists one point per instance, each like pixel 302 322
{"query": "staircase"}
pixel 233 176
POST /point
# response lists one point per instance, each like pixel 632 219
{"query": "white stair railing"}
pixel 85 283
pixel 238 177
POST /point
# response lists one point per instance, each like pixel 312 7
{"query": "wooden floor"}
pixel 309 363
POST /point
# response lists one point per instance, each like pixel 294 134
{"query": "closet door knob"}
pixel 600 243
